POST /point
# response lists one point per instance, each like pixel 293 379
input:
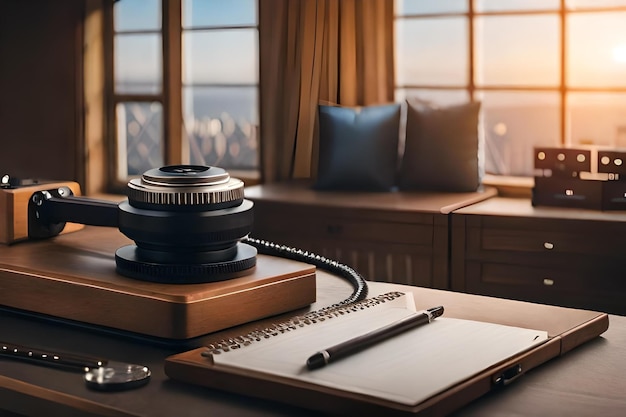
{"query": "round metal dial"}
pixel 186 186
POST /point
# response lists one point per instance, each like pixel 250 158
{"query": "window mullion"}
pixel 471 86
pixel 109 87
pixel 172 82
pixel 563 86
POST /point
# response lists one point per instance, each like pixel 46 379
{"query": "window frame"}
pixel 175 147
pixel 472 88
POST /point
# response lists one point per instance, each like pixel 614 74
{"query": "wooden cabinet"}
pixel 395 237
pixel 505 247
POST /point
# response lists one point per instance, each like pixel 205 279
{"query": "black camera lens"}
pixel 187 222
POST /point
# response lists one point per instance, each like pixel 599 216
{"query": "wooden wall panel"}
pixel 41 89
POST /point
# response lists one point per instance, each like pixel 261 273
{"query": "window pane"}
pixel 219 12
pixel 517 50
pixel 138 64
pixel 582 4
pixel 137 15
pixel 139 137
pixel 221 56
pixel 596 50
pixel 514 123
pixel 222 126
pixel 404 7
pixel 441 60
pixel 507 5
pixel 597 119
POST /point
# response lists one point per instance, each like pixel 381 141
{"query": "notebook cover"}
pixel 567 328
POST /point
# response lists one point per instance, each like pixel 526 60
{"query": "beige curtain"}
pixel 311 51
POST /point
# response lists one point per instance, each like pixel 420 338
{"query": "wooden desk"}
pixel 586 381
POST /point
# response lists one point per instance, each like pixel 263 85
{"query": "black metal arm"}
pixel 49 210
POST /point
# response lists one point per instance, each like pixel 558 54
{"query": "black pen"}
pixel 351 346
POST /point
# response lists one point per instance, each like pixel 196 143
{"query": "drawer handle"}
pixel 548 281
pixel 548 245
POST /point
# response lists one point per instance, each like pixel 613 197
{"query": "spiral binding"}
pixel 297 322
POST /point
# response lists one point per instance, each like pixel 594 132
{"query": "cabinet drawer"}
pixel 567 236
pixel 546 241
pixel 581 288
pixel 525 276
pixel 307 223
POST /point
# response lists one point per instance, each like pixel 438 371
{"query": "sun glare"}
pixel 619 53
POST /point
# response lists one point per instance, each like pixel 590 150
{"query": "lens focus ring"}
pixel 197 191
pixel 187 196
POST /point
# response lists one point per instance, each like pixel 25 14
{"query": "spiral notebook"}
pixel 397 374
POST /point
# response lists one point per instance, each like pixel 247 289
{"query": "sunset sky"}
pixel 511 50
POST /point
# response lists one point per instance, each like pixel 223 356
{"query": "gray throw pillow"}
pixel 441 148
pixel 358 147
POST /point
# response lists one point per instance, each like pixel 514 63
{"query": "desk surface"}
pixel 588 380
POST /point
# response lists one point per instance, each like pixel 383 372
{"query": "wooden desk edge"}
pixel 24 398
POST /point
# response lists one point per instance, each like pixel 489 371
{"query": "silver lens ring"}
pixel 138 192
pixel 186 175
pixel 175 186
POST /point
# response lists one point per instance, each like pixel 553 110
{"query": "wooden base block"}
pixel 72 276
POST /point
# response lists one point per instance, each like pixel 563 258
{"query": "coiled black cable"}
pixel 356 280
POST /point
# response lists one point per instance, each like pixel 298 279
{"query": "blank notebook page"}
pixel 408 368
